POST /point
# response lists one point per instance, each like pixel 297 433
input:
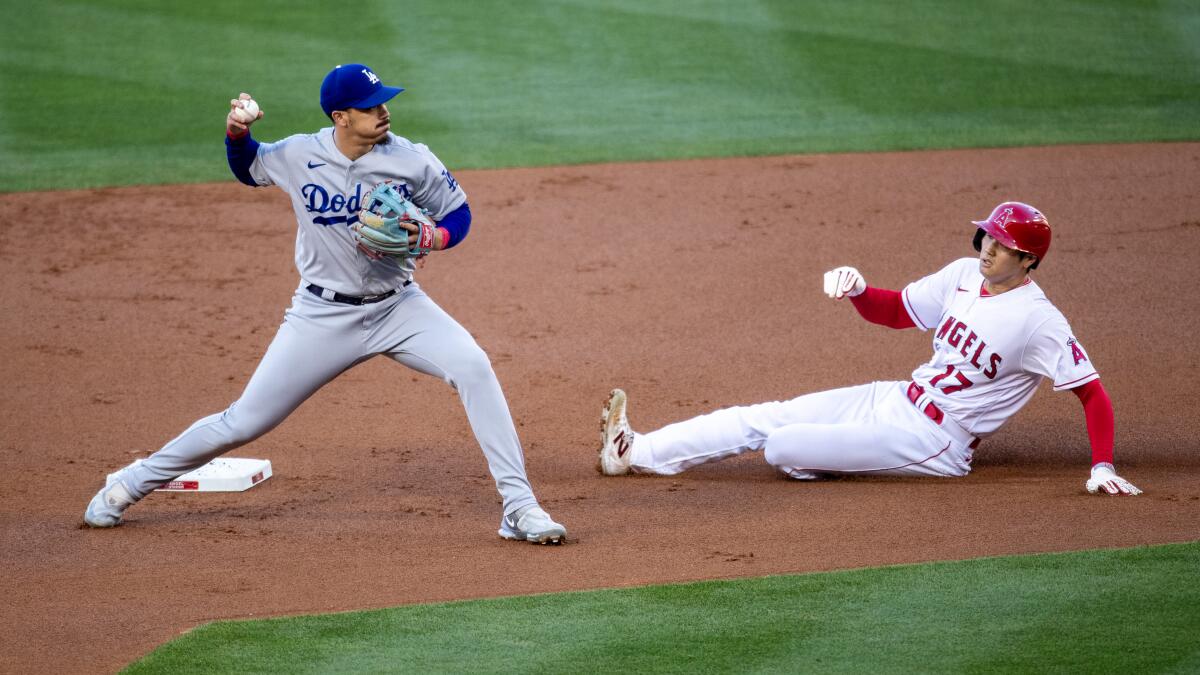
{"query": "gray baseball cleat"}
pixel 106 507
pixel 616 438
pixel 533 524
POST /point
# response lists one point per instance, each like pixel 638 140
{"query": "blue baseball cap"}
pixel 354 85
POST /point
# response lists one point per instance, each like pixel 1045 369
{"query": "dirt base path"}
pixel 693 285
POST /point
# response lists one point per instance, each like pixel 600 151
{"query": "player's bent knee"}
pixel 472 366
pixel 774 453
pixel 238 436
pixel 240 428
pixel 784 451
pixel 787 464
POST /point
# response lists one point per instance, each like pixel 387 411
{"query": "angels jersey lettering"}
pixel 990 352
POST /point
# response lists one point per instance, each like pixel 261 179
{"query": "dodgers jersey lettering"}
pixel 327 190
pixel 990 352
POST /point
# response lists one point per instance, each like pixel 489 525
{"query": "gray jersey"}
pixel 327 190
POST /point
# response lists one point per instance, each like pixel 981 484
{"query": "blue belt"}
pixel 327 294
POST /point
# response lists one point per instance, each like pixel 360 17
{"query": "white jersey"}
pixel 327 190
pixel 990 352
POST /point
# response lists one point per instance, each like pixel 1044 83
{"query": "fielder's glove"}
pixel 390 225
pixel 844 281
pixel 1104 477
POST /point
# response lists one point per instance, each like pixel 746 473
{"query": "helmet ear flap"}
pixel 978 241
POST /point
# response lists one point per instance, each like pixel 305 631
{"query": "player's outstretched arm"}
pixel 1105 480
pixel 877 305
pixel 240 148
pixel 1098 410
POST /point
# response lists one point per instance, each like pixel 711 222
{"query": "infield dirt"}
pixel 129 313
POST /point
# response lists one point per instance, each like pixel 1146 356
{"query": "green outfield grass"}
pixel 1131 610
pixel 115 92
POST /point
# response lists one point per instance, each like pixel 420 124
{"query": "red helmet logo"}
pixel 1020 226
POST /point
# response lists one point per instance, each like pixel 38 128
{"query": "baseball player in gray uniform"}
pixel 996 336
pixel 351 303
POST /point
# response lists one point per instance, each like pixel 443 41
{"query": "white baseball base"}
pixel 223 474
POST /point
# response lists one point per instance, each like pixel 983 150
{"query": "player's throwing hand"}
pixel 243 111
pixel 844 281
pixel 1105 478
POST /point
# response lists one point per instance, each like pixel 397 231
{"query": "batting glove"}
pixel 1104 477
pixel 843 282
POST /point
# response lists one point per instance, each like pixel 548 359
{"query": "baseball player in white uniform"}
pixel 995 336
pixel 350 305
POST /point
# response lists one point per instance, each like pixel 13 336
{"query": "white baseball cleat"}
pixel 533 524
pixel 108 505
pixel 616 438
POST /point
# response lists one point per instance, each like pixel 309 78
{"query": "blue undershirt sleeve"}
pixel 457 224
pixel 241 153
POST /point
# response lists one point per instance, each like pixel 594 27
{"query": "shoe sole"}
pixel 90 522
pixel 533 539
pixel 607 419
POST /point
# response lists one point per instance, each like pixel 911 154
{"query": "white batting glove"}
pixel 843 282
pixel 1104 477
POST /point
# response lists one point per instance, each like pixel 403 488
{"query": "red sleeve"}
pixel 884 307
pixel 1098 410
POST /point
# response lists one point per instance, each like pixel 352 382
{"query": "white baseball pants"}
pixel 319 340
pixel 869 429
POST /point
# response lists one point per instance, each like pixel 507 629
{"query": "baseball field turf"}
pixel 134 91
pixel 128 92
pixel 1130 610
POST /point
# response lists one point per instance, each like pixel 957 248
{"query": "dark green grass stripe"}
pixel 134 91
pixel 1099 611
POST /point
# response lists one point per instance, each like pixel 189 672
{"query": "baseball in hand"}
pixel 248 112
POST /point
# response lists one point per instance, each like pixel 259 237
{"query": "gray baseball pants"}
pixel 319 340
